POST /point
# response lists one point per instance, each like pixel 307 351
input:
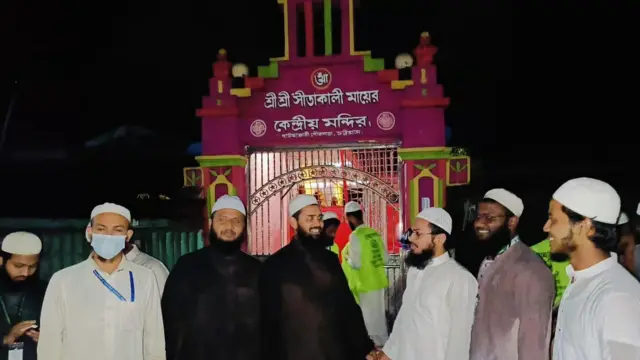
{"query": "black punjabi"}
pixel 210 307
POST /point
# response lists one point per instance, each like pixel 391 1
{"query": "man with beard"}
pixel 136 256
pixel 308 312
pixel 21 295
pixel 600 310
pixel 516 288
pixel 331 223
pixel 105 307
pixel 210 303
pixel 368 256
pixel 437 306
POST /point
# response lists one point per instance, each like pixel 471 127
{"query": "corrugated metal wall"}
pixel 64 243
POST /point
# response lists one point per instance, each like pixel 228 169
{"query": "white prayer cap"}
pixel 352 206
pixel 229 202
pixel 506 199
pixel 437 216
pixel 22 243
pixel 638 210
pixel 86 232
pixel 329 215
pixel 623 219
pixel 301 201
pixel 111 208
pixel 590 198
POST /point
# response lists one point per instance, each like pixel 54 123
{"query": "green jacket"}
pixel 543 249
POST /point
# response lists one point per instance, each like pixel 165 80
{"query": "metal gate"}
pixel 370 175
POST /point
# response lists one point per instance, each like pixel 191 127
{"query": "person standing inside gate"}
pixel 599 313
pixel 210 305
pixel 331 223
pixel 21 295
pixel 436 316
pixel 307 309
pixel 136 256
pixel 105 307
pixel 516 288
pixel 368 256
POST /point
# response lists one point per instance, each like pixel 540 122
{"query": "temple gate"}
pixel 338 126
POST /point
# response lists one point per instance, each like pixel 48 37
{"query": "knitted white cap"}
pixel 590 198
pixel 506 199
pixel 301 201
pixel 437 216
pixel 22 243
pixel 229 202
pixel 352 206
pixel 329 215
pixel 623 219
pixel 111 208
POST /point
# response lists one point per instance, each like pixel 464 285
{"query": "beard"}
pixel 313 242
pixel 566 246
pixel 9 285
pixel 419 261
pixel 223 246
pixel 472 251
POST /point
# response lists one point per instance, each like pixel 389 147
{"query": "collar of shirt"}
pixel 133 253
pixel 124 265
pixel 592 270
pixel 439 260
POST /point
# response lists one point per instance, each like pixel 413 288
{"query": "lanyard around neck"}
pixel 6 313
pixel 116 292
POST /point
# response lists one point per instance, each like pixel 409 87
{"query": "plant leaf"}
pixel 418 166
pixel 214 173
pixel 431 166
pixel 227 173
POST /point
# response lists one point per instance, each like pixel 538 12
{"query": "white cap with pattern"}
pixel 437 216
pixel 329 215
pixel 591 198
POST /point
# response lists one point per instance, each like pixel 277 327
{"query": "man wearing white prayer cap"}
pixel 210 305
pixel 308 310
pixel 600 310
pixel 435 321
pixel 21 295
pixel 515 286
pixel 135 255
pixel 330 225
pixel 368 254
pixel 105 307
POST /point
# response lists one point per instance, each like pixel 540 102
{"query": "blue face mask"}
pixel 107 246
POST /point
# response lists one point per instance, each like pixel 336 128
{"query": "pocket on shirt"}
pixel 131 316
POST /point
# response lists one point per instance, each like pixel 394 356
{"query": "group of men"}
pixel 301 303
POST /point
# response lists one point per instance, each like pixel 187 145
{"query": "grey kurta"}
pixel 513 315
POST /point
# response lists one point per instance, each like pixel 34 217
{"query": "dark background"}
pixel 554 101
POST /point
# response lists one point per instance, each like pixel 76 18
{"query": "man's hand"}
pixel 18 330
pixel 34 335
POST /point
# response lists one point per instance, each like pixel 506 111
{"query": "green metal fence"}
pixel 64 242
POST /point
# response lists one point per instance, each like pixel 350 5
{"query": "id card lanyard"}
pixel 6 313
pixel 116 292
pixel 15 349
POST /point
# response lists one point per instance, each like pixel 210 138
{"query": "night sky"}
pixel 85 68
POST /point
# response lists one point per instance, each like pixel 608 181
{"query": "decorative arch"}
pixel 293 177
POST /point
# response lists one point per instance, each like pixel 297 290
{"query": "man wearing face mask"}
pixel 210 305
pixel 307 309
pixel 437 309
pixel 105 307
pixel 516 288
pixel 21 294
pixel 136 256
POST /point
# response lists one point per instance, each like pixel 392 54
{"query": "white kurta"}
pixel 599 316
pixel 437 313
pixel 372 303
pixel 81 319
pixel 159 270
